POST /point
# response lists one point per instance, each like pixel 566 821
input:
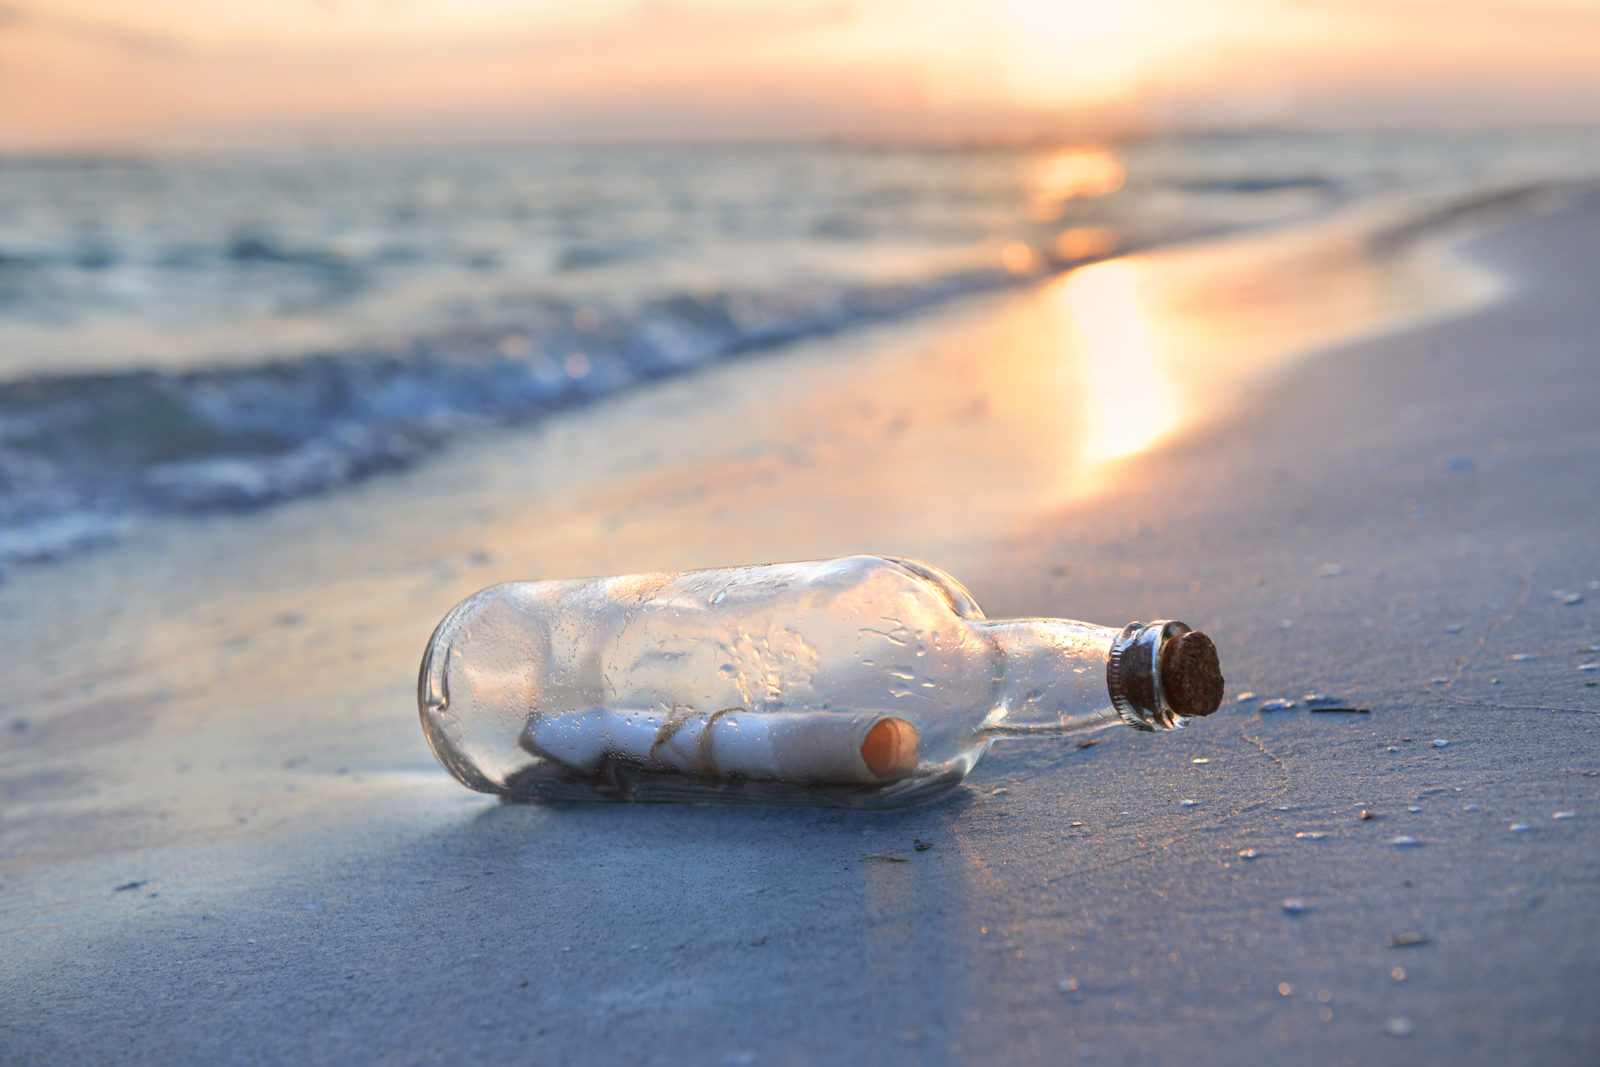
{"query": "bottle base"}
pixel 620 782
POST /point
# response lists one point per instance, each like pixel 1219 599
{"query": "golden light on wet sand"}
pixel 1129 402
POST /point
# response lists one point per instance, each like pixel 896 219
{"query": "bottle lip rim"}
pixel 1133 675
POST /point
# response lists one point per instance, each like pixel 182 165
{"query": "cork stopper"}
pixel 1191 675
pixel 1161 673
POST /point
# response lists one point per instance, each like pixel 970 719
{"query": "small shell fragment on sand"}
pixel 1406 940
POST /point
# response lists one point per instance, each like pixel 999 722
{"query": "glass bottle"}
pixel 868 681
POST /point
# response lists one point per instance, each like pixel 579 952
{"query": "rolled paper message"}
pixel 783 746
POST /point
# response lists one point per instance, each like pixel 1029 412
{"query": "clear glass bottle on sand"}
pixel 867 682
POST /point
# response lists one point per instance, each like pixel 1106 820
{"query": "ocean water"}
pixel 189 334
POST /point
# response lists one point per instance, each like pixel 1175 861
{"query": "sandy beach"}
pixel 223 836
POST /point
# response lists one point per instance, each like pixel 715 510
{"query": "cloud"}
pixel 99 34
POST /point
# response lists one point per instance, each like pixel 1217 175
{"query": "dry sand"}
pixel 223 837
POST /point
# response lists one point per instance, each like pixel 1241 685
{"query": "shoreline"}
pixel 241 742
pixel 405 431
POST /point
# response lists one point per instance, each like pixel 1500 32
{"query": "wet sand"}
pixel 223 834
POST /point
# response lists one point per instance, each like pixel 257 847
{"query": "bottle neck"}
pixel 1064 677
pixel 1055 676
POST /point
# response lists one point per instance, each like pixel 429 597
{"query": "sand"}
pixel 223 836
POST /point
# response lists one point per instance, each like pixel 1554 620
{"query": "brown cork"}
pixel 890 749
pixel 1191 676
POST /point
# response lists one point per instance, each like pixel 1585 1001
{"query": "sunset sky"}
pixel 107 73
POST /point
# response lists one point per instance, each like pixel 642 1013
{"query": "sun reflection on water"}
pixel 1085 242
pixel 1082 172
